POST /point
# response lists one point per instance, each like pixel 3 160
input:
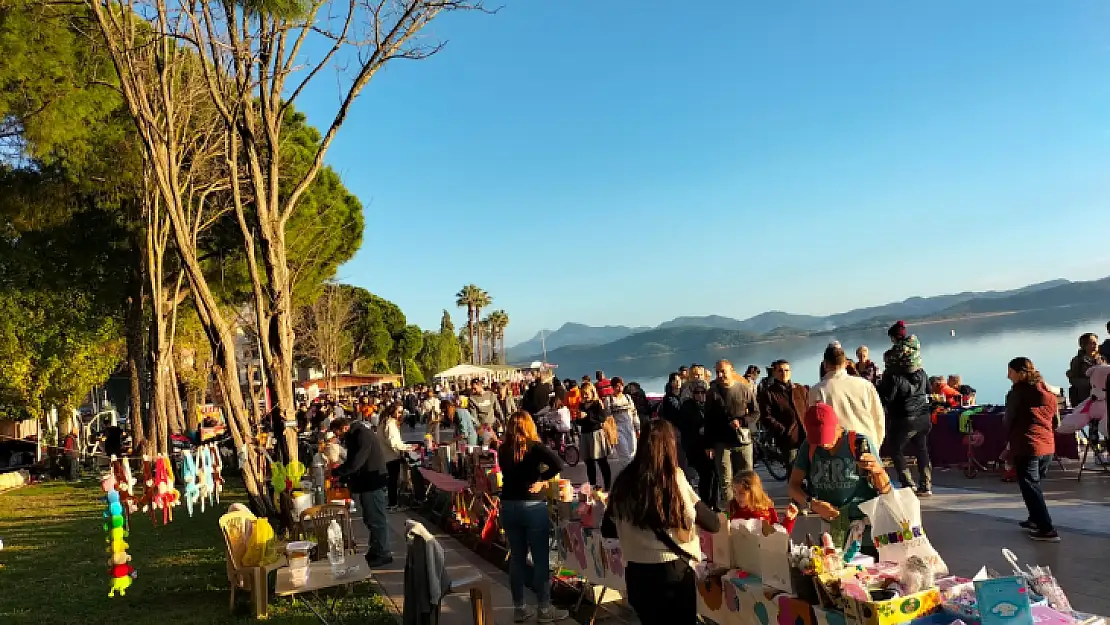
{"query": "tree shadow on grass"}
pixel 54 566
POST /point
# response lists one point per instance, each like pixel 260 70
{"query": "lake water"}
pixel 979 352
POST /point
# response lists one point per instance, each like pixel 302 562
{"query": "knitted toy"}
pixel 189 477
pixel 121 572
pixel 146 502
pixel 125 484
pixel 165 496
pixel 204 477
pixel 217 472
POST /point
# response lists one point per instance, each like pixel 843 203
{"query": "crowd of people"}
pixel 684 458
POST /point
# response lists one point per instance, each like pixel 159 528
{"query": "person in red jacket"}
pixel 1030 412
pixel 750 501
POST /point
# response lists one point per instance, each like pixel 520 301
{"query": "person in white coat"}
pixel 394 447
pixel 623 410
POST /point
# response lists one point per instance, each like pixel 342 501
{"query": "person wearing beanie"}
pixel 855 400
pixel 836 469
pixel 905 353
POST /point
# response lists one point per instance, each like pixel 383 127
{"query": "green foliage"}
pixel 413 374
pixel 441 349
pixel 409 342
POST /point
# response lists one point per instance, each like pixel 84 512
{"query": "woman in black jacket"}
pixel 905 397
pixel 670 410
pixel 595 445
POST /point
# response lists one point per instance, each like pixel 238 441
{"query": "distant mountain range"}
pixel 580 342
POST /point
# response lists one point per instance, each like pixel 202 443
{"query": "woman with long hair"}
pixel 1030 411
pixel 653 511
pixel 394 447
pixel 623 410
pixel 595 445
pixel 526 466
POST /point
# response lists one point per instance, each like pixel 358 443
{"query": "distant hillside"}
pixel 720 332
pixel 568 334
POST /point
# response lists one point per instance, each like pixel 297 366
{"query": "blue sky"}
pixel 626 162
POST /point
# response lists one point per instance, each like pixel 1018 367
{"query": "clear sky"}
pixel 629 161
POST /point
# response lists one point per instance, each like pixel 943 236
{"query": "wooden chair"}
pixel 315 522
pixel 236 530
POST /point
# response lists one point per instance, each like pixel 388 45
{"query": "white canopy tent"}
pixel 465 371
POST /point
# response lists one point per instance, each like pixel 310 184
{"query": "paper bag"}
pixel 774 565
pixel 744 538
pixel 897 531
pixel 715 546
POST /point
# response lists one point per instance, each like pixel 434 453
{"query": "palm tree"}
pixel 485 332
pixel 468 298
pixel 499 320
pixel 482 300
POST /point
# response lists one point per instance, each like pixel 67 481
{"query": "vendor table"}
pixel 320 578
pixel 948 448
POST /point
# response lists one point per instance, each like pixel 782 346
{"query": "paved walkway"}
pixel 969 521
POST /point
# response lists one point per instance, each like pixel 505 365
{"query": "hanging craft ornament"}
pixel 189 477
pixel 115 525
pixel 217 471
pixel 165 496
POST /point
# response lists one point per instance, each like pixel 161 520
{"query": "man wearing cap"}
pixel 834 472
pixel 855 400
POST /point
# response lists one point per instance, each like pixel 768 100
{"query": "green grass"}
pixel 53 568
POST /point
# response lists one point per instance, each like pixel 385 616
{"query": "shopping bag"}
pixel 897 531
pixel 715 546
pixel 744 540
pixel 774 563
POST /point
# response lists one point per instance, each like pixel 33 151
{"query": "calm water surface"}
pixel 979 351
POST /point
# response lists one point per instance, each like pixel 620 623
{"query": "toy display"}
pixel 115 525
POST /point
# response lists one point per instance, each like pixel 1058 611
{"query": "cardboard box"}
pixel 892 611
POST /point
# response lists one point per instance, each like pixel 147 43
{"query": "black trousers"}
pixel 662 594
pixel 394 468
pixel 916 436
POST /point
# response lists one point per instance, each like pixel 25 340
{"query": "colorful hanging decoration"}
pixel 217 471
pixel 125 485
pixel 189 477
pixel 115 526
pixel 163 494
pixel 205 480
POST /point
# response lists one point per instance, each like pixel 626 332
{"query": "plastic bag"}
pixel 260 546
pixel 897 531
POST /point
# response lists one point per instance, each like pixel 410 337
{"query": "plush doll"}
pixel 120 584
pixel 217 472
pixel 146 502
pixel 120 557
pixel 204 477
pixel 125 484
pixel 189 477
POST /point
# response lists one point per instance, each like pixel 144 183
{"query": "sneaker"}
pixel 924 492
pixel 1028 525
pixel 379 561
pixel 521 615
pixel 551 614
pixel 1045 536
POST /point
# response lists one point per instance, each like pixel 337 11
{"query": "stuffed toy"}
pixel 165 496
pixel 189 477
pixel 205 482
pixel 121 572
pixel 217 472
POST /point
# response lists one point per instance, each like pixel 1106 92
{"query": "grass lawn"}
pixel 53 568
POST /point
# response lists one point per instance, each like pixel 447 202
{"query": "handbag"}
pixel 610 429
pixel 682 554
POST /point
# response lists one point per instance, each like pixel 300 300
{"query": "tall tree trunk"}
pixel 135 343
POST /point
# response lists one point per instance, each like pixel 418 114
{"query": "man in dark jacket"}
pixel 905 396
pixel 367 478
pixel 669 410
pixel 782 404
pixel 539 396
pixel 731 409
pixel 698 453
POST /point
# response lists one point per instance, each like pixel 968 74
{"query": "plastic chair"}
pixel 475 584
pixel 236 529
pixel 315 522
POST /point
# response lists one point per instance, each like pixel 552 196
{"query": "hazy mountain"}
pixel 685 334
pixel 568 334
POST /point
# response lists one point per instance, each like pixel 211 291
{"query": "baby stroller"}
pixel 563 443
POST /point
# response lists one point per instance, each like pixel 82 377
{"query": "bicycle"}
pixel 565 444
pixel 767 451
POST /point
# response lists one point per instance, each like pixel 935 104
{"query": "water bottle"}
pixel 336 550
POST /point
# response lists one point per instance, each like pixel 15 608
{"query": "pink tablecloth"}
pixel 947 447
pixel 443 482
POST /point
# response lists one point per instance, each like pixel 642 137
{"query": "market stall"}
pixel 752 577
pixel 983 427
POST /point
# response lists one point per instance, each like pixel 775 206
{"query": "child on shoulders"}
pixel 750 501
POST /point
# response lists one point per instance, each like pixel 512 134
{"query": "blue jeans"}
pixel 1030 471
pixel 373 504
pixel 527 526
